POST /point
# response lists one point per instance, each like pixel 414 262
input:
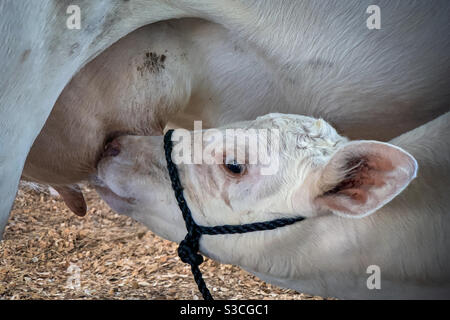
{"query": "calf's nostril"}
pixel 112 149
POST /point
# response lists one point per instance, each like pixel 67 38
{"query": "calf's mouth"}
pixel 111 149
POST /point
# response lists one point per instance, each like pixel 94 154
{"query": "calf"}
pixel 321 176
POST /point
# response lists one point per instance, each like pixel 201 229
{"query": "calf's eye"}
pixel 235 167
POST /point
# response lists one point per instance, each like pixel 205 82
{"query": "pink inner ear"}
pixel 374 174
pixel 363 174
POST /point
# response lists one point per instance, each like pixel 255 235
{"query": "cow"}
pixel 315 58
pixel 163 71
pixel 361 215
pixel 320 56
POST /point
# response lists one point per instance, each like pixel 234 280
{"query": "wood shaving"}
pixel 50 253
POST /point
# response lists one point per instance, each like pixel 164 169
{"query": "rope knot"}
pixel 188 252
pixel 188 248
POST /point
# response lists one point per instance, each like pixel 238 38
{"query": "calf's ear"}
pixel 363 176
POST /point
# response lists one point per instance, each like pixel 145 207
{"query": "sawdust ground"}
pixel 49 253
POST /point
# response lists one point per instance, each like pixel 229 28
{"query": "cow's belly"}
pixel 131 88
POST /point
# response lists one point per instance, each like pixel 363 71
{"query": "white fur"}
pixel 325 254
pixel 319 56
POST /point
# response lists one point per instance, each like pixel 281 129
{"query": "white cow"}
pixel 321 176
pixel 242 60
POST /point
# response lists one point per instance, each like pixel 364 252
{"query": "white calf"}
pixel 322 177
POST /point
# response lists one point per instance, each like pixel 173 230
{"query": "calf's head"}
pixel 286 166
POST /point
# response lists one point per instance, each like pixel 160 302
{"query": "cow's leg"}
pixel 22 115
pixel 26 98
pixel 39 55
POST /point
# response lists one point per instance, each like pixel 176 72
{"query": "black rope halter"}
pixel 189 247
